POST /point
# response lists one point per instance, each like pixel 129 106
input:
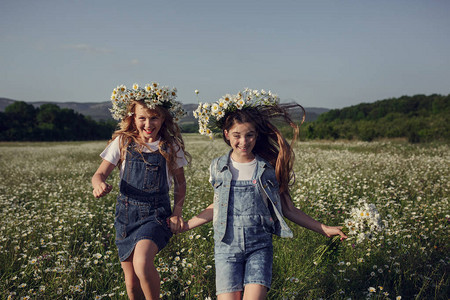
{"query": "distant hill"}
pixel 312 113
pixel 418 118
pixel 411 106
pixel 100 110
pixel 96 110
pixel 4 102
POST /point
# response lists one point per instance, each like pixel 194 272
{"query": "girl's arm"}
pixel 299 217
pixel 176 221
pixel 179 191
pixel 202 218
pixel 101 188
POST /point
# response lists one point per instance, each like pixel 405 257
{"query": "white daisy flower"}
pixel 215 107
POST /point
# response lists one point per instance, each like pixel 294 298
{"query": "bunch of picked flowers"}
pixel 364 222
pixel 152 94
pixel 209 115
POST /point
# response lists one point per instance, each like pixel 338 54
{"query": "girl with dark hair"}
pixel 251 191
pixel 149 150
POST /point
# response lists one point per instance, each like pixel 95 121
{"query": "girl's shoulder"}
pixel 221 160
pixel 118 139
pixel 112 151
pixel 121 141
pixel 215 162
pixel 114 143
pixel 260 159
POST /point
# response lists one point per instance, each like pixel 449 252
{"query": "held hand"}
pixel 101 190
pixel 185 227
pixel 176 224
pixel 330 231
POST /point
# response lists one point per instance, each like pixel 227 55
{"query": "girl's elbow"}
pixel 179 185
pixel 287 207
pixel 287 214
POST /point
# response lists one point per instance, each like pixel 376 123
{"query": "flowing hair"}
pixel 270 142
pixel 171 140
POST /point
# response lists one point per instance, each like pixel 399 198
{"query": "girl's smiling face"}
pixel 148 123
pixel 242 137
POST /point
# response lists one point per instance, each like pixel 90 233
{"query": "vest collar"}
pixel 222 163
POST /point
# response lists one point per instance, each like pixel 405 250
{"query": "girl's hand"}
pixel 186 227
pixel 330 231
pixel 101 189
pixel 176 224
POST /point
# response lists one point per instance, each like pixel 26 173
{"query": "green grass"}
pixel 57 240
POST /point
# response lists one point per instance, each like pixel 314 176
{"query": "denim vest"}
pixel 268 184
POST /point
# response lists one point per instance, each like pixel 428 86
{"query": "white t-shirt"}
pixel 112 155
pixel 242 171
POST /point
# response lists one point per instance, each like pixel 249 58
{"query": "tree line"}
pixel 23 122
pixel 418 118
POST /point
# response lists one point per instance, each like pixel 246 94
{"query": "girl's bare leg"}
pixel 144 267
pixel 255 291
pixel 230 296
pixel 132 283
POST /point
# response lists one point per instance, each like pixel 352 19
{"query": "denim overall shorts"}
pixel 245 254
pixel 143 204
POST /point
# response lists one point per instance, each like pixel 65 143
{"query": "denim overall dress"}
pixel 143 204
pixel 245 254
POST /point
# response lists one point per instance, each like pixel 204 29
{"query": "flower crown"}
pixel 152 95
pixel 209 115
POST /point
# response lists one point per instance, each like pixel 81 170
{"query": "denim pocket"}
pixel 243 200
pixel 121 215
pixel 162 212
pixel 152 179
pixel 144 212
pixel 216 198
pixel 121 220
pixel 274 186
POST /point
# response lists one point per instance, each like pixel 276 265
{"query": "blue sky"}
pixel 330 53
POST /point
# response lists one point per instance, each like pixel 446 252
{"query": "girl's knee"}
pixel 134 290
pixel 132 281
pixel 145 269
pixel 255 291
pixel 133 285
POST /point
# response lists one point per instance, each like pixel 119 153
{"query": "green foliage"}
pixel 189 127
pixel 23 122
pixel 418 118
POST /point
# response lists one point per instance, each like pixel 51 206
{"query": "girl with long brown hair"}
pixel 251 191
